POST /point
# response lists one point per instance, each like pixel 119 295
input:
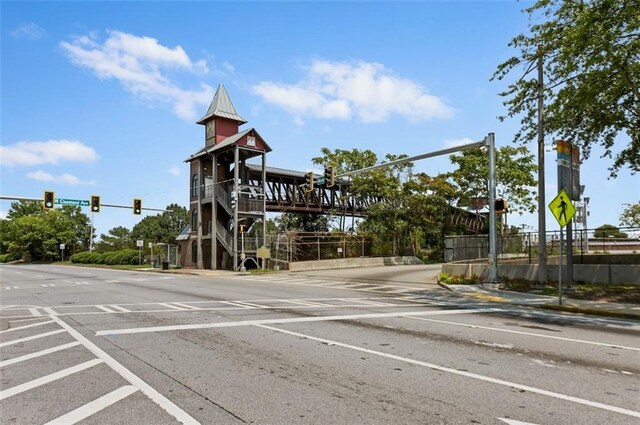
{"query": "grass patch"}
pixel 107 266
pixel 457 279
pixel 589 292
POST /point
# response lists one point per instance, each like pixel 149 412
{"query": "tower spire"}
pixel 222 107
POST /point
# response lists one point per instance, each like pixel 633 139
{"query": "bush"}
pixel 12 256
pixel 123 256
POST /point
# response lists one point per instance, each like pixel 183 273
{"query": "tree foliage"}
pixel 515 183
pixel 164 227
pixel 116 239
pixel 609 230
pixel 631 215
pixel 34 234
pixel 591 53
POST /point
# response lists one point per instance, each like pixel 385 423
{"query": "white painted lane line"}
pixel 186 306
pixel 581 341
pixel 35 312
pixel 49 311
pixel 93 407
pixel 146 389
pixel 371 303
pixel 305 303
pixel 33 325
pixel 38 354
pixel 238 304
pixel 289 320
pixel 46 379
pixel 514 422
pixel 106 309
pixel 112 281
pixel 119 308
pixel 29 338
pixel 171 306
pixel 535 390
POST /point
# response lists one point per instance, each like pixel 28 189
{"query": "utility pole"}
pixel 542 226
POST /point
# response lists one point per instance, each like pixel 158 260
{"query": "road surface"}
pixel 107 346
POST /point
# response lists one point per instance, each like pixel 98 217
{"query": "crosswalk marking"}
pixel 95 406
pixel 119 308
pixel 38 354
pixel 29 338
pixel 186 306
pixel 33 325
pixel 103 308
pixel 49 378
pixel 171 306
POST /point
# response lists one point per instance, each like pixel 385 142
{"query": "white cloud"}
pixel 67 179
pixel 138 63
pixel 31 31
pixel 341 90
pixel 451 143
pixel 50 152
pixel 175 170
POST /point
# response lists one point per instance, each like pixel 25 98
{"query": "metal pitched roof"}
pixel 221 106
pixel 225 143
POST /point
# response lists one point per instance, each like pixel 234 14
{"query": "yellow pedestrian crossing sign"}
pixel 562 208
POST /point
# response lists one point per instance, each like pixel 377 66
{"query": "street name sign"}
pixel 562 208
pixel 75 202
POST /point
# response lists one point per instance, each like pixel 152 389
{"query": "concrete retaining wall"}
pixel 587 273
pixel 342 263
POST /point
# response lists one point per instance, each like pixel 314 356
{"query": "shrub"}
pixel 12 256
pixel 123 256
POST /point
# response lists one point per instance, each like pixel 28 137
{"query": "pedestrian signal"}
pixel 501 206
pixel 49 199
pixel 95 204
pixel 137 206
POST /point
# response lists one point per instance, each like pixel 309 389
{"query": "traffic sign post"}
pixel 563 210
pixel 139 244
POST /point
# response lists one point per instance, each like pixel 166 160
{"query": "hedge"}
pixel 124 256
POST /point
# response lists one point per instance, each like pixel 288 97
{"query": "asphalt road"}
pixel 374 346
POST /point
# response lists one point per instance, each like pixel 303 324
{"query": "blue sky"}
pixel 102 97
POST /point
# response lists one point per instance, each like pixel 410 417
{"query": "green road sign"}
pixel 75 202
pixel 562 208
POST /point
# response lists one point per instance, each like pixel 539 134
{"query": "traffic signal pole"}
pixel 489 143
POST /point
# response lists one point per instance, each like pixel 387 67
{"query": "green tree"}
pixel 115 239
pixel 609 230
pixel 22 208
pixel 631 215
pixel 302 222
pixel 592 72
pixel 515 182
pixel 36 234
pixel 163 227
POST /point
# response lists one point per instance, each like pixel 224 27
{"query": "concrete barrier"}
pixel 587 273
pixel 341 263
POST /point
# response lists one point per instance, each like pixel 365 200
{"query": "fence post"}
pixel 318 247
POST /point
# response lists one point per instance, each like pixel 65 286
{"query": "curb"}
pixel 566 308
pixel 592 311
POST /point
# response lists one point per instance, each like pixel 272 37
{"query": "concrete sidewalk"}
pixel 600 308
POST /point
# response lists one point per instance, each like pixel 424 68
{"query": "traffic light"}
pixel 137 206
pixel 329 177
pixel 501 206
pixel 49 199
pixel 309 181
pixel 95 203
